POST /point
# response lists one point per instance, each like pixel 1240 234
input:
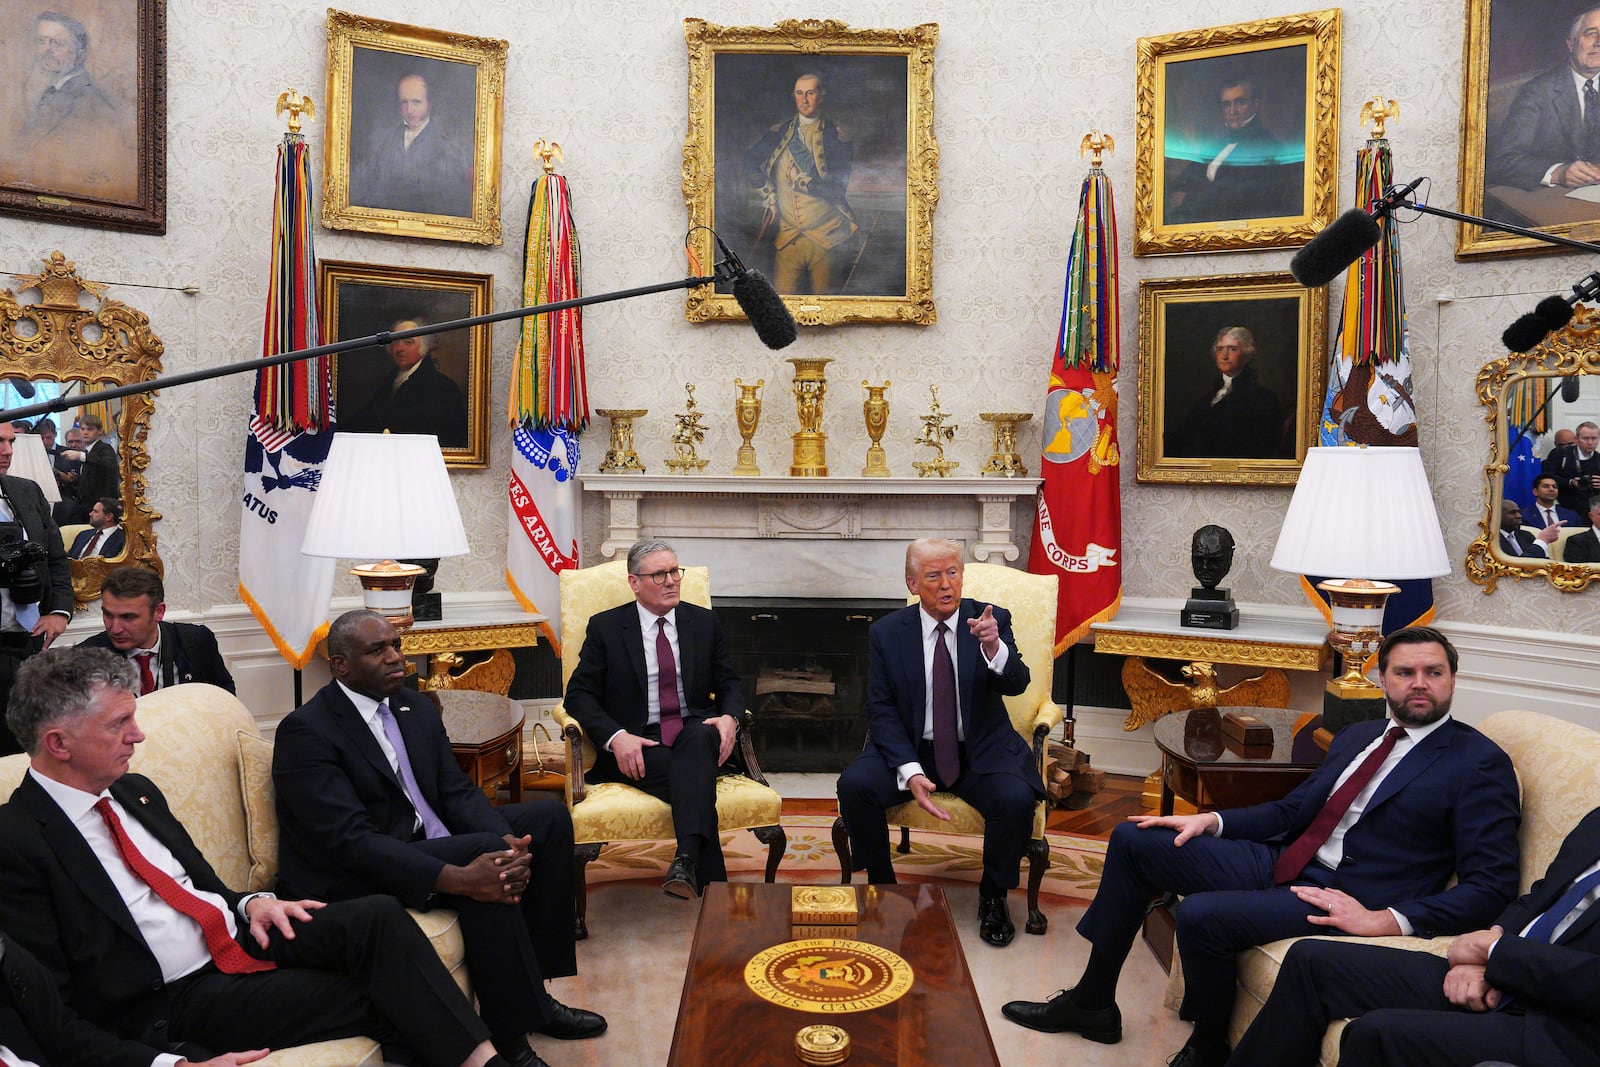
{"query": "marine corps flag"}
pixel 1370 399
pixel 288 434
pixel 548 407
pixel 1077 534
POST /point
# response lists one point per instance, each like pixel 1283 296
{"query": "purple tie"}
pixel 391 729
pixel 667 685
pixel 946 750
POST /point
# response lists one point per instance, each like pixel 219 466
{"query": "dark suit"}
pixel 1530 545
pixel 433 176
pixel 100 475
pixel 998 774
pixel 1564 464
pixel 345 829
pixel 1247 423
pixel 35 1023
pixel 189 653
pixel 110 550
pixel 607 694
pixel 79 105
pixel 1403 1017
pixel 1582 548
pixel 1449 807
pixel 32 510
pixel 361 968
pixel 1261 178
pixel 1543 128
pixel 427 402
pixel 1533 515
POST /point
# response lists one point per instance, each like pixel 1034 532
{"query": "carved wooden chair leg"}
pixel 776 841
pixel 1038 862
pixel 905 840
pixel 841 845
pixel 581 856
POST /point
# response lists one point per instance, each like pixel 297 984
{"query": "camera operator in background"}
pixel 35 578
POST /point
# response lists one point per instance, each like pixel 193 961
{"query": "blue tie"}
pixel 1545 925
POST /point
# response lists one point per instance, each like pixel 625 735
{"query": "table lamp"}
pixel 29 460
pixel 1359 513
pixel 385 496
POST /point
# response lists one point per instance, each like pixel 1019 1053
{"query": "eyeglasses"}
pixel 663 577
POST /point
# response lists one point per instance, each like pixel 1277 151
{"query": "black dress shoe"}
pixel 681 881
pixel 525 1058
pixel 1192 1055
pixel 572 1024
pixel 1059 1014
pixel 994 922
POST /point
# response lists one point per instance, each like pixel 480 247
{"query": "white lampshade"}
pixel 1362 512
pixel 385 496
pixel 29 460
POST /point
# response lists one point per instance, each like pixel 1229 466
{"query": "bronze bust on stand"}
pixel 1211 553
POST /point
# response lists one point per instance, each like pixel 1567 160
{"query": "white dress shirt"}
pixel 930 626
pixel 367 708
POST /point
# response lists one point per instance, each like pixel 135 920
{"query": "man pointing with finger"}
pixel 936 672
pixel 1366 846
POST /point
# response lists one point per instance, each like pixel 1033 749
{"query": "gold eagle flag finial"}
pixel 1377 111
pixel 1093 144
pixel 548 153
pixel 296 105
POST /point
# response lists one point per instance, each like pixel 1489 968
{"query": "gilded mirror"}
pixel 60 334
pixel 1527 398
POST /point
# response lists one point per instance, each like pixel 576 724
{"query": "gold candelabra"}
pixel 935 435
pixel 688 434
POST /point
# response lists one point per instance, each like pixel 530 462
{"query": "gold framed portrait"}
pixel 414 131
pixel 1231 374
pixel 811 153
pixel 433 385
pixel 1523 145
pixel 1237 135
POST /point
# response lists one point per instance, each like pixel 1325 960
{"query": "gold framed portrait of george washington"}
pixel 811 153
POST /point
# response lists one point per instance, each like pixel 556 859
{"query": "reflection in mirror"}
pixel 61 338
pixel 1544 470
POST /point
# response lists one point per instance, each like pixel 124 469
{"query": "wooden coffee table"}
pixel 720 1020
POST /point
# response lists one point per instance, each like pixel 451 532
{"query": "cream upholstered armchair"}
pixel 604 812
pixel 1031 599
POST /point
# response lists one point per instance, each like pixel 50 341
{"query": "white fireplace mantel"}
pixel 728 513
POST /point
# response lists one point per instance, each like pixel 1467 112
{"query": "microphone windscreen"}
pixel 1327 254
pixel 23 387
pixel 1554 312
pixel 1526 332
pixel 1569 390
pixel 765 309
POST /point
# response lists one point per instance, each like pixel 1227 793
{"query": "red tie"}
pixel 226 953
pixel 147 680
pixel 667 685
pixel 1293 860
pixel 946 745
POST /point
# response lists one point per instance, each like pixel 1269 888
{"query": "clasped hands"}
pixel 628 749
pixel 493 877
pixel 1466 984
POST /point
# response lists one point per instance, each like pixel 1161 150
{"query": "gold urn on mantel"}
pixel 875 409
pixel 747 413
pixel 810 443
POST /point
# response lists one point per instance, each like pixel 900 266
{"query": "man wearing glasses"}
pixel 657 694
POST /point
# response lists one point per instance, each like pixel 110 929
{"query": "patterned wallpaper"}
pixel 1017 85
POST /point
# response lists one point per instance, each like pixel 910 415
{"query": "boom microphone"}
pixel 759 301
pixel 1570 390
pixel 1341 243
pixel 1551 313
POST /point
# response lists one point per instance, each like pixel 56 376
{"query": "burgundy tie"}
pixel 226 953
pixel 946 746
pixel 147 680
pixel 1293 860
pixel 667 685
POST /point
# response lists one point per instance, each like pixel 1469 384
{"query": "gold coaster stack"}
pixel 822 1043
pixel 822 910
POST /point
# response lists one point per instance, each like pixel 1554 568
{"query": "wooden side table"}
pixel 1206 768
pixel 485 732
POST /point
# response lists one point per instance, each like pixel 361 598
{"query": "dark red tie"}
pixel 667 685
pixel 147 680
pixel 946 746
pixel 226 953
pixel 1293 860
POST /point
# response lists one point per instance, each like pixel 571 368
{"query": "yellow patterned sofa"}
pixel 1558 769
pixel 204 751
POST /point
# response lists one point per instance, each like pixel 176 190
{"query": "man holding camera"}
pixel 1576 468
pixel 35 578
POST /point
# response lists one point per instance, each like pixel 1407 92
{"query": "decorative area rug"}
pixel 1075 862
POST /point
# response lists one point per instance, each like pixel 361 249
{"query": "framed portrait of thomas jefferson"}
pixel 1231 376
pixel 436 384
pixel 414 131
pixel 811 153
pixel 1527 154
pixel 1237 135
pixel 83 112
